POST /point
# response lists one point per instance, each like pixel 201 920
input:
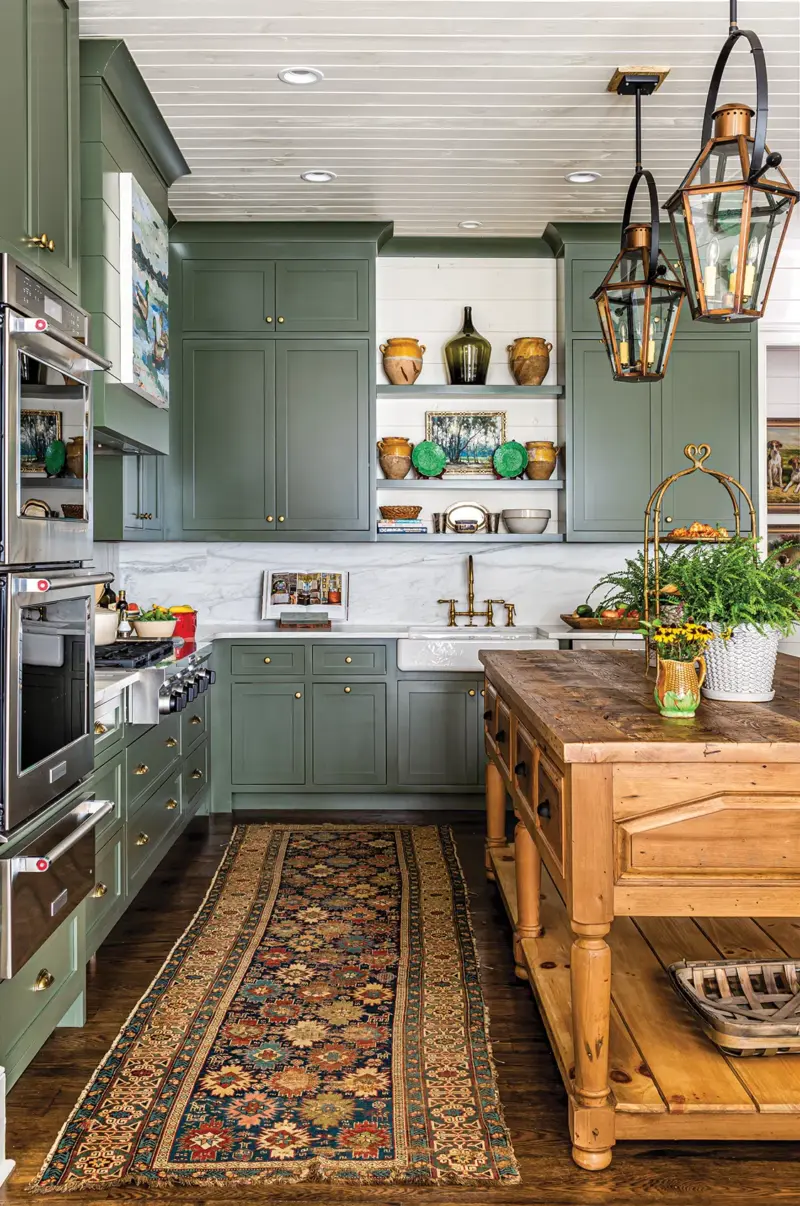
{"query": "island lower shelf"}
pixel 668 1080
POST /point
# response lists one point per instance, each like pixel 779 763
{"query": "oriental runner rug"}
pixel 321 1019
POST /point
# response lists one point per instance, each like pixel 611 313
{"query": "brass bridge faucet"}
pixel 471 613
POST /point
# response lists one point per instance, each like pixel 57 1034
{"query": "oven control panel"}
pixel 31 295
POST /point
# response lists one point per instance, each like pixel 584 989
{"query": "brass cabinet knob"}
pixel 269 519
pixel 196 720
pixel 482 694
pixel 470 692
pixel 267 661
pixel 298 694
pixel 347 690
pixel 281 518
pixel 281 318
pixel 348 660
pixel 143 515
pixel 39 241
pixel 143 839
pixel 197 774
pixel 100 729
pixel 668 518
pixel 171 805
pixel 99 890
pixel 51 245
pixel 268 318
pixel 44 980
pixel 171 742
pixel 142 769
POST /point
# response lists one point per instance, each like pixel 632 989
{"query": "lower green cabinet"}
pixel 348 734
pixel 438 726
pixel 267 733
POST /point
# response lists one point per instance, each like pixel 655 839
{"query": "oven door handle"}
pixel 41 586
pixel 94 361
pixel 100 809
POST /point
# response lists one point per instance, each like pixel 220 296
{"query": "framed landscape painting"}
pixel 783 466
pixel 144 301
pixel 468 437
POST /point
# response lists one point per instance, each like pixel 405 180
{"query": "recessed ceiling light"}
pixel 582 177
pixel 318 176
pixel 301 76
pixel 470 224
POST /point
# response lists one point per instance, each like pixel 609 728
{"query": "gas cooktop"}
pixel 132 655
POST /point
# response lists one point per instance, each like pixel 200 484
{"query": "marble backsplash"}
pixel 388 584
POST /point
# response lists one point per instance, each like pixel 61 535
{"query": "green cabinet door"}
pixel 267 733
pixel 53 133
pixel 151 487
pixel 322 295
pixel 614 460
pixel 348 734
pixel 228 297
pixel 585 275
pixel 706 399
pixel 14 223
pixel 228 443
pixel 437 733
pixel 128 497
pixel 322 444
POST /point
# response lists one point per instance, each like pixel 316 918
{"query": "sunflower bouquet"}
pixel 678 642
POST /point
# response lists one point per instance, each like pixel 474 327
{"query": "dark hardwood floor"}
pixel 735 1174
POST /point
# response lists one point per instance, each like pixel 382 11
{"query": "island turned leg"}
pixel 528 867
pixel 495 814
pixel 591 1112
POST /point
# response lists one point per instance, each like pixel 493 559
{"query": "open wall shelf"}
pixel 472 538
pixel 466 484
pixel 468 391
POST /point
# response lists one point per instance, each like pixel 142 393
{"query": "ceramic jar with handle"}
pixel 542 459
pixel 394 456
pixel 402 360
pixel 529 359
pixel 677 689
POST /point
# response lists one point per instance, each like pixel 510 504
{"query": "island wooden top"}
pixel 599 707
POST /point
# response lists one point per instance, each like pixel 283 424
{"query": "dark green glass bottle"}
pixel 467 354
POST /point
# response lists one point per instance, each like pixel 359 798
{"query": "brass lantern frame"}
pixel 730 124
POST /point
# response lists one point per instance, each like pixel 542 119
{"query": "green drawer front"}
pixel 108 784
pixel 336 658
pixel 194 722
pixel 21 1001
pixel 109 719
pixel 150 825
pixel 195 772
pixel 268 659
pixel 109 884
pixel 151 754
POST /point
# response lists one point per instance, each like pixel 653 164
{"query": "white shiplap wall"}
pixel 425 297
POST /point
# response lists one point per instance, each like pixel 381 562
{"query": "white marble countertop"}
pixel 560 632
pixel 259 629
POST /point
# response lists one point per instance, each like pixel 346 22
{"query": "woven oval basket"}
pixel 400 512
pixel 746 1009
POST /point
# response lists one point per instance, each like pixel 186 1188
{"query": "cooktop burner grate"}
pixel 132 655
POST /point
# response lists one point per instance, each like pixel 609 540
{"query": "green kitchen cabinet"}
pixel 438 732
pixel 322 434
pixel 228 448
pixel 39 141
pixel 348 734
pixel 128 497
pixel 267 722
pixel 227 297
pixel 322 295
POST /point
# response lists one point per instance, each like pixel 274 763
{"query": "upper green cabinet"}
pixel 39 138
pixel 322 295
pixel 227 297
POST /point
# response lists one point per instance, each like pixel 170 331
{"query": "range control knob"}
pixel 202 681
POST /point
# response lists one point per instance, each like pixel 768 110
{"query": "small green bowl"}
pixel 510 459
pixel 429 458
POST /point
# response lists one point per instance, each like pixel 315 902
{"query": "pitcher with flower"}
pixel 681 665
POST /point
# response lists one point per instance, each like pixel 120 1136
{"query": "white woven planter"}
pixel 742 668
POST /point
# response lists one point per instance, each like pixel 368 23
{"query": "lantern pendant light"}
pixel 640 298
pixel 730 214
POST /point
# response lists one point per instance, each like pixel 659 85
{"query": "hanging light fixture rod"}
pixel 733 25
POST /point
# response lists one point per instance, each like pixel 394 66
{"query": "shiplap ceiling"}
pixel 436 111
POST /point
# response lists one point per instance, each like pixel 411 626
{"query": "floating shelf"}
pixel 474 538
pixel 464 483
pixel 54 393
pixel 42 482
pixel 480 391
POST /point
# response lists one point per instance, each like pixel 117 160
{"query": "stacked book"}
pixel 402 526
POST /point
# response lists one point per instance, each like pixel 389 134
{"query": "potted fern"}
pixel 749 603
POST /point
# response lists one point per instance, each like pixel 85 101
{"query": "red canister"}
pixel 186 625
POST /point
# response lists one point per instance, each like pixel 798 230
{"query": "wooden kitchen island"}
pixel 641 841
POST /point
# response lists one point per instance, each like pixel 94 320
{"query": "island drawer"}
pixel 502 735
pixel 109 719
pixel 549 804
pixel 108 784
pixel 336 658
pixel 109 886
pixel 279 658
pixel 524 767
pixel 24 997
pixel 151 754
pixel 195 772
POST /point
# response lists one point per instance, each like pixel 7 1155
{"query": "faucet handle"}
pixel 510 611
pixel 451 603
pixel 490 611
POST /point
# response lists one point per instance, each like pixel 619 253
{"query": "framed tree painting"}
pixel 469 438
pixel 144 300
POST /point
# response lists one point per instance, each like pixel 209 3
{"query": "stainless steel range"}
pixel 169 677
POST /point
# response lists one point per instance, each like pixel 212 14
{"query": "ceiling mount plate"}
pixel 627 81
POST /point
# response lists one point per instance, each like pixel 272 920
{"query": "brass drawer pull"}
pixel 100 729
pixel 43 981
pixel 171 742
pixel 142 769
pixel 171 805
pixel 544 810
pixel 281 518
pixel 197 774
pixel 196 720
pixel 143 515
pixel 268 318
pixel 267 661
pixel 143 839
pixel 348 660
pixel 42 242
pixel 347 690
pixel 269 518
pixel 521 770
pixel 99 890
pixel 470 692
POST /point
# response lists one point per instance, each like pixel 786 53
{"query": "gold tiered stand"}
pixel 698 454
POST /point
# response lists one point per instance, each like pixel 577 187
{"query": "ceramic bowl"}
pixel 526 522
pixel 105 626
pixel 154 630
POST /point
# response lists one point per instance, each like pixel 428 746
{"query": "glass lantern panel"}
pixel 769 216
pixel 603 315
pixel 629 268
pixel 626 307
pixel 670 274
pixel 772 175
pixel 664 309
pixel 716 218
pixel 681 234
pixel 723 164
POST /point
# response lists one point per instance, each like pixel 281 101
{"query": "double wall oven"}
pixel 47 592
